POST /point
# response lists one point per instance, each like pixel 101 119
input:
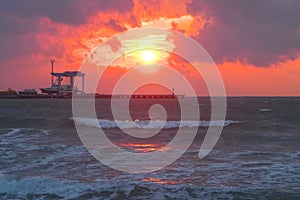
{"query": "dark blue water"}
pixel 256 157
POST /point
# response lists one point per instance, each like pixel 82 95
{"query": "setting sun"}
pixel 148 56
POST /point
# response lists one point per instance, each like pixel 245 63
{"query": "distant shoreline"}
pixel 149 96
pixel 100 96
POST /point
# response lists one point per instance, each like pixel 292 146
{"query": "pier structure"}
pixel 138 96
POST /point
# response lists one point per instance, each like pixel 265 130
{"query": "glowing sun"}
pixel 148 56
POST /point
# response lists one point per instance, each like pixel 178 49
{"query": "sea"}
pixel 256 157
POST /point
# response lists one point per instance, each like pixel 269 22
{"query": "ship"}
pixel 28 92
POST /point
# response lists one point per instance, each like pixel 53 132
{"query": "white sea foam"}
pixel 145 124
pixel 265 110
pixel 13 132
pixel 128 189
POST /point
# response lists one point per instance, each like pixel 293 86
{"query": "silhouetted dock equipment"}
pixel 62 90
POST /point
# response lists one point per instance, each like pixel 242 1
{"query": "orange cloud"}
pixel 169 14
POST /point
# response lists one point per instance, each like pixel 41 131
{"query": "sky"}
pixel 255 44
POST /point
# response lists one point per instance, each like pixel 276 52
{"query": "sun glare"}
pixel 148 56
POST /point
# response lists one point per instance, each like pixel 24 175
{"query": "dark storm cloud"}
pixel 115 25
pixel 65 11
pixel 15 46
pixel 260 32
pixel 13 25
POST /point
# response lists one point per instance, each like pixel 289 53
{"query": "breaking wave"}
pixel 265 110
pixel 145 124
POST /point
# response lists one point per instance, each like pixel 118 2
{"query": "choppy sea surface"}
pixel 256 157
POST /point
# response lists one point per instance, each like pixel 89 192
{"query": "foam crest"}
pixel 265 110
pixel 145 124
pixel 13 132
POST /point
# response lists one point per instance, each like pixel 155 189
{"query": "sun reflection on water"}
pixel 160 181
pixel 143 147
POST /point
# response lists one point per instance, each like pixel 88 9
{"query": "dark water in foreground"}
pixel 256 157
